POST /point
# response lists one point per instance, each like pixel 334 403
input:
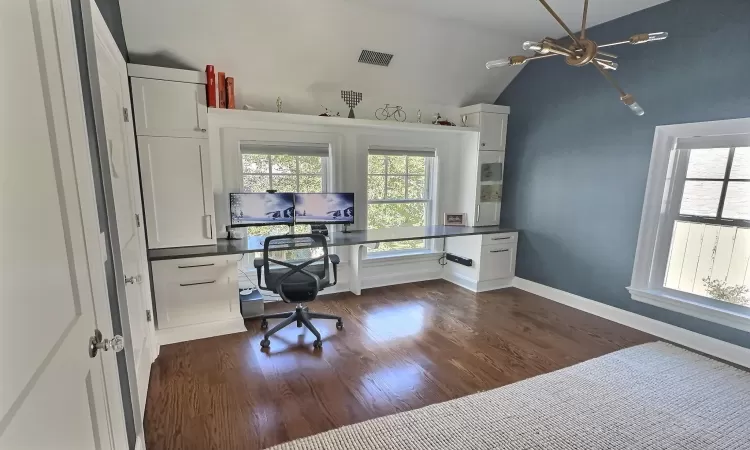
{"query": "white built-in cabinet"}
pixel 177 191
pixel 483 164
pixel 493 260
pixel 171 121
pixel 170 108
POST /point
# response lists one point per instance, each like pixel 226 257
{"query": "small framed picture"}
pixel 455 219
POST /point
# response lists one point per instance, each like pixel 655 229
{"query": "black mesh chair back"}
pixel 302 281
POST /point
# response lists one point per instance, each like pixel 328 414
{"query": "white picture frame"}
pixel 454 219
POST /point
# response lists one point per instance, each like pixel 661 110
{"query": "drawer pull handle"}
pixel 197 265
pixel 196 284
pixel 500 251
pixel 501 238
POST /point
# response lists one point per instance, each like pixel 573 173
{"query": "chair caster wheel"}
pixel 265 343
pixel 339 325
pixel 317 343
pixel 264 324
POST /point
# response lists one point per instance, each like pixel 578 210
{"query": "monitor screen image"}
pixel 324 208
pixel 261 209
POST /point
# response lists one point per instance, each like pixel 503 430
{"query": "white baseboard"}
pixel 204 330
pixel 704 344
pixel 477 286
pixel 389 279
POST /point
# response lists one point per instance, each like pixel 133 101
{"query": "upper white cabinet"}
pixel 169 102
pixel 177 191
pixel 492 121
pixel 168 108
pixel 483 164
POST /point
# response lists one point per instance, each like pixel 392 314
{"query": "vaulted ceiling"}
pixel 307 50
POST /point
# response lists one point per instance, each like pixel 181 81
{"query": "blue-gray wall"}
pixel 577 159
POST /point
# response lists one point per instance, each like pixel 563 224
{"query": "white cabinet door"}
pixel 492 129
pixel 490 167
pixel 177 191
pixel 169 108
pixel 497 261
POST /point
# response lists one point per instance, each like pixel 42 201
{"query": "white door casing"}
pixel 123 170
pixel 52 394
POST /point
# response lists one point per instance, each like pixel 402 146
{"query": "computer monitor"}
pixel 248 209
pixel 329 208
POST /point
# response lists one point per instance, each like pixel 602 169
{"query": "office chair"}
pixel 298 283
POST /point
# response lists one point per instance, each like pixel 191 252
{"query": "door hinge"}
pixel 137 221
pixel 125 115
pixel 148 315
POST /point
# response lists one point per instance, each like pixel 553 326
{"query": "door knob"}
pixel 129 280
pixel 96 343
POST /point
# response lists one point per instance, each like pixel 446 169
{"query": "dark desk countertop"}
pixel 337 239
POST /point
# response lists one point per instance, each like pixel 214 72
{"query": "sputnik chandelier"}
pixel 580 52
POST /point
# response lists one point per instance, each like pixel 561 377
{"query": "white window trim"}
pixel 655 233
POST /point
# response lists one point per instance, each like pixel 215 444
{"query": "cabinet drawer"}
pixel 497 261
pixel 500 238
pixel 193 270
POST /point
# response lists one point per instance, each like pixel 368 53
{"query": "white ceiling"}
pixel 307 50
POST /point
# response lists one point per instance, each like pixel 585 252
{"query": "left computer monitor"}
pixel 261 208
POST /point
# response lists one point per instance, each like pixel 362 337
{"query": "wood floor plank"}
pixel 403 347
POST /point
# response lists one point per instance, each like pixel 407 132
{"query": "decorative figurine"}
pixel 464 118
pixel 419 116
pixel 387 112
pixel 328 113
pixel 352 99
pixel 441 121
pixel 278 104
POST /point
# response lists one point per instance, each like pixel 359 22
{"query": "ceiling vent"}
pixel 375 58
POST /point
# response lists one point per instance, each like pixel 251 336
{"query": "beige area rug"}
pixel 653 396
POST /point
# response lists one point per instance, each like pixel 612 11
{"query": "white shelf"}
pixel 263 116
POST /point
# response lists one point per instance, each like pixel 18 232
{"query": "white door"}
pixel 177 191
pixel 169 108
pixel 115 98
pixel 52 295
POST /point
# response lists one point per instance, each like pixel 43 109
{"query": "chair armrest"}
pixel 258 263
pixel 335 260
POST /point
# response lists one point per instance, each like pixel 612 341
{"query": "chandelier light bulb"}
pixel 630 102
pixel 531 45
pixel 660 36
pixel 498 63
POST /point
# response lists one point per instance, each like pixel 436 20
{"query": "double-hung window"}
pixel 400 193
pixel 284 169
pixel 693 251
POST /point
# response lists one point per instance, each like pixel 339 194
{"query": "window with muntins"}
pixel 284 169
pixel 709 252
pixel 400 194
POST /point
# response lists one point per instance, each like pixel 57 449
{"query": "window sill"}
pixel 387 258
pixel 695 306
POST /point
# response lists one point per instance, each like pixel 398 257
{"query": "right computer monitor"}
pixel 328 208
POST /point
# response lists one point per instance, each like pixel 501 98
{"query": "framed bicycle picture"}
pixel 455 219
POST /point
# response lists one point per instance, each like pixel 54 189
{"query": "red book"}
pixel 211 86
pixel 222 90
pixel 230 92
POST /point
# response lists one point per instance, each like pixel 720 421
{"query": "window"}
pixel 693 252
pixel 285 169
pixel 710 246
pixel 399 193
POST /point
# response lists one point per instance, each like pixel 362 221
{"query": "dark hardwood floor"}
pixel 403 347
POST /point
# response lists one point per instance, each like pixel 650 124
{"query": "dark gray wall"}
pixel 577 159
pixel 110 10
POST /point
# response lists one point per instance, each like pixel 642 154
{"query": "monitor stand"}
pixel 291 230
pixel 346 228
